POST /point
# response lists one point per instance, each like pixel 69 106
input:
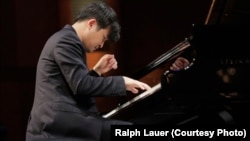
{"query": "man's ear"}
pixel 92 22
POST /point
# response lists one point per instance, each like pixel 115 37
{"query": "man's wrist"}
pixel 94 69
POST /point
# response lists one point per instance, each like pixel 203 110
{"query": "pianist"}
pixel 63 107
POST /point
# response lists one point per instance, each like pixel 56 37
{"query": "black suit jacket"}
pixel 63 104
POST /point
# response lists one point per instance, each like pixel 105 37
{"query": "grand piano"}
pixel 213 89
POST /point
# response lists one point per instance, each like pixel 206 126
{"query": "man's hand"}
pixel 133 85
pixel 105 64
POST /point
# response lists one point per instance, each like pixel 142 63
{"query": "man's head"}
pixel 99 16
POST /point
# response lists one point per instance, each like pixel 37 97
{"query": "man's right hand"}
pixel 133 85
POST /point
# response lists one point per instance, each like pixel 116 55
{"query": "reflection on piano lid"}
pixel 170 54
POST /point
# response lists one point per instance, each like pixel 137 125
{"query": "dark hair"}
pixel 104 15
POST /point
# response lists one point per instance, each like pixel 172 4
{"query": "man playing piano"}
pixel 64 108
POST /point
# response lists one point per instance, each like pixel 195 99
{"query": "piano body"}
pixel 213 89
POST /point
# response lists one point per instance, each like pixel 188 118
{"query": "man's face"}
pixel 95 37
